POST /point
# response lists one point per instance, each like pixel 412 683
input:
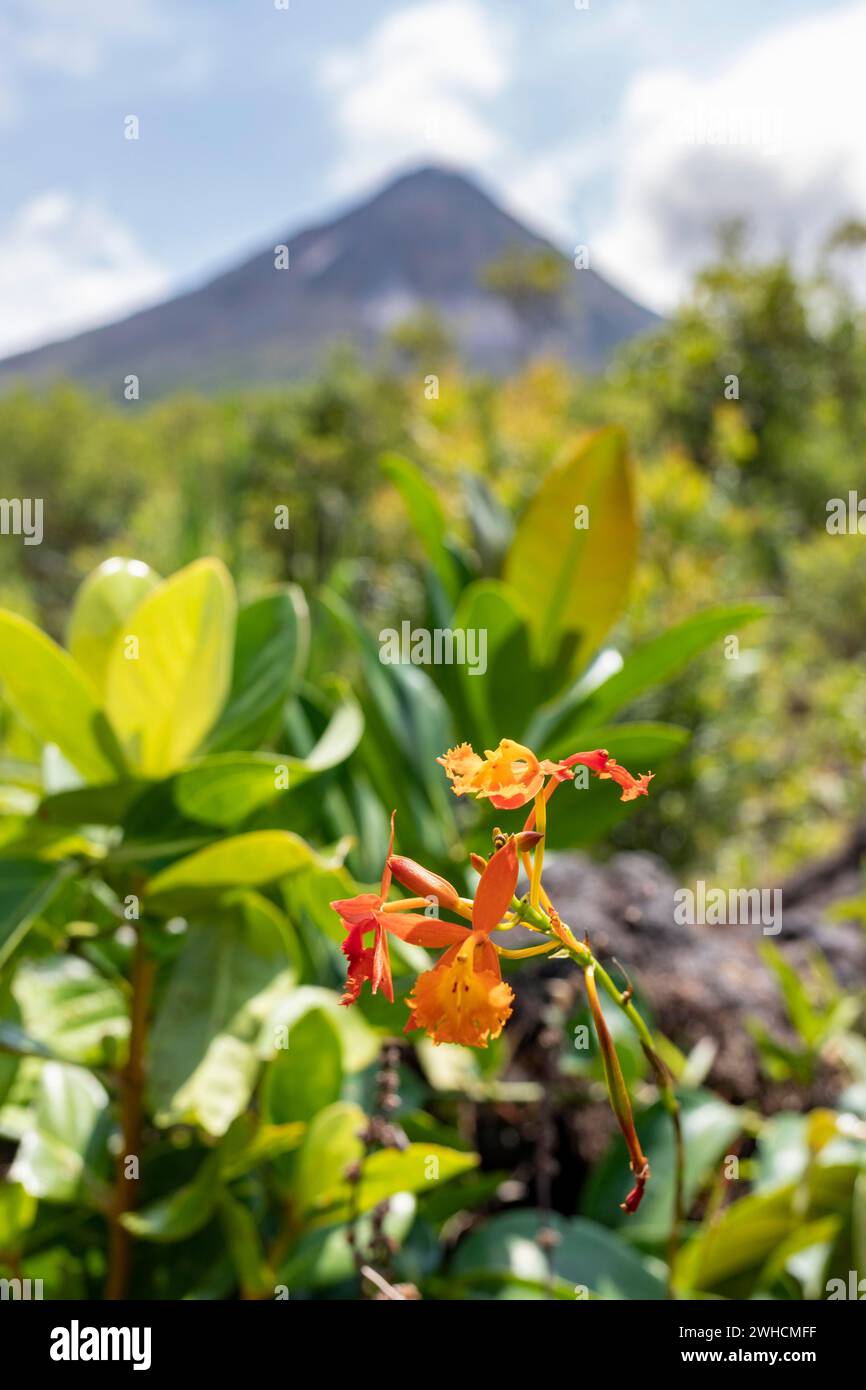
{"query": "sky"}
pixel 631 127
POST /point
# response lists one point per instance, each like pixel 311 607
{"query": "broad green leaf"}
pixel 738 1242
pixel 165 692
pixel 53 698
pixel 225 788
pixel 243 861
pixel 204 1062
pixel 418 1168
pixel 657 661
pixel 68 1007
pixel 15 1042
pixel 101 609
pixel 574 580
pixel 244 1242
pixel 587 1255
pixel 782 1154
pixel 63 1156
pixel 26 887
pixel 256 1144
pixel 103 805
pixel 306 1075
pixel 271 649
pixel 332 1143
pixel 361 1044
pixel 17 1214
pixel 183 1212
pixel 425 512
pixel 500 698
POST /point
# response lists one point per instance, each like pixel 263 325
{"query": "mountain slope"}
pixel 425 239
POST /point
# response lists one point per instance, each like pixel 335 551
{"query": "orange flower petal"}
pixel 496 888
pixel 424 931
pixel 509 775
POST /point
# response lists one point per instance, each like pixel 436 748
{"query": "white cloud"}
pixel 418 88
pixel 776 137
pixel 77 39
pixel 65 266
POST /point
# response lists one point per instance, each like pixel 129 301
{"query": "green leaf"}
pixel 102 805
pixel 255 1277
pixel 332 1143
pixel 26 888
pixel 739 1242
pixel 17 1214
pixel 360 1042
pixel 418 1168
pixel 204 1059
pixel 271 649
pixel 425 512
pixel 256 1144
pixel 63 1156
pixel 587 1255
pixel 496 700
pixel 53 698
pixel 307 1074
pixel 574 581
pixel 657 661
pixel 242 861
pixel 183 1212
pixel 69 1008
pixel 101 611
pixel 225 788
pixel 165 697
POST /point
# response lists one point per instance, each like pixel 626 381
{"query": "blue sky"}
pixel 629 126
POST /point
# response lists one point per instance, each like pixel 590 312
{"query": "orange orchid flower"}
pixel 511 775
pixel 365 913
pixel 464 998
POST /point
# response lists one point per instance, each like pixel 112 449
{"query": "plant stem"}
pixel 131 1087
pixel 534 917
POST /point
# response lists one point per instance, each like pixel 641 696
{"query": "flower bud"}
pixel 423 882
pixel 528 839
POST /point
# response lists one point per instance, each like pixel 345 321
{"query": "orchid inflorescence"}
pixel 464 998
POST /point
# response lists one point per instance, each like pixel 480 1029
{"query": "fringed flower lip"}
pixel 511 775
pixel 464 998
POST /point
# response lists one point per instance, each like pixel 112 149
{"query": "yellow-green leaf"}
pixel 574 577
pixel 51 695
pixel 102 605
pixel 242 861
pixel 169 673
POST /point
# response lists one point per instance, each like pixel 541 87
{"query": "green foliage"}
pixel 200 805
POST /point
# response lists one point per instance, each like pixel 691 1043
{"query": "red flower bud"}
pixel 423 882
